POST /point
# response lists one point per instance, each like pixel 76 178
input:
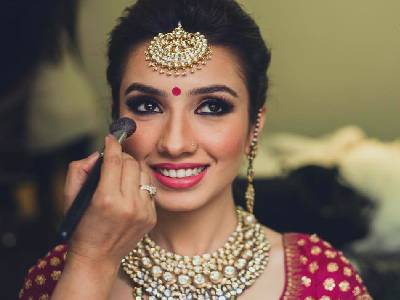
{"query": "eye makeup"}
pixel 214 106
pixel 143 105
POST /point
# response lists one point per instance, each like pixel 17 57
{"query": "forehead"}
pixel 223 68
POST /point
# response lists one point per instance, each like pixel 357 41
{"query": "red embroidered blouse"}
pixel 314 271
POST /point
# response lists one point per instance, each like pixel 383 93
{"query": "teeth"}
pixel 181 173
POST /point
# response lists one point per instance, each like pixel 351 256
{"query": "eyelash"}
pixel 224 106
pixel 135 102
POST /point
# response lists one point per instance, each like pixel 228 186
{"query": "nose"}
pixel 177 137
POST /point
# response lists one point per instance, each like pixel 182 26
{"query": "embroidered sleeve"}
pixel 326 273
pixel 42 278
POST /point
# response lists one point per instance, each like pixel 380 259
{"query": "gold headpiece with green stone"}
pixel 177 52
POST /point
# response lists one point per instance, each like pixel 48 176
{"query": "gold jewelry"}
pixel 250 191
pixel 176 52
pixel 223 274
pixel 152 190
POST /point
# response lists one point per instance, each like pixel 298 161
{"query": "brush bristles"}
pixel 125 124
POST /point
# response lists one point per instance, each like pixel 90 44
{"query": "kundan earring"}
pixel 250 192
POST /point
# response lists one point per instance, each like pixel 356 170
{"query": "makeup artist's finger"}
pixel 110 177
pixel 130 175
pixel 76 177
pixel 148 202
pixel 145 180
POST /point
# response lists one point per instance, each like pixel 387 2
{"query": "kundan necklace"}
pixel 223 274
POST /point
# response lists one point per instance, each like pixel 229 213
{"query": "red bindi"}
pixel 176 91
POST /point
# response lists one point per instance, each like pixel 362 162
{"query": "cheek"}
pixel 140 143
pixel 226 142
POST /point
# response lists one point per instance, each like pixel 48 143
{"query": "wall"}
pixel 334 63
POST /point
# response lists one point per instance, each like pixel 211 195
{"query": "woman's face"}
pixel 192 131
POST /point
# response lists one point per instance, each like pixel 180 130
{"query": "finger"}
pixel 110 177
pixel 130 178
pixel 149 202
pixel 145 180
pixel 77 173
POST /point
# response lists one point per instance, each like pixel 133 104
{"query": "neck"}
pixel 199 231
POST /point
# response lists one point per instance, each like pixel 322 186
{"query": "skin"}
pixel 184 221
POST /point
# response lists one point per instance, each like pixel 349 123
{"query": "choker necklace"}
pixel 221 275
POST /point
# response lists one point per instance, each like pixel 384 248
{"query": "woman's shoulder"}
pixel 316 270
pixel 42 278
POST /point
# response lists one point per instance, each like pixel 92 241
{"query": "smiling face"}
pixel 192 132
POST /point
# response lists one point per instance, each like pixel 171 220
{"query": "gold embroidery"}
pixel 329 284
pixel 314 238
pixel 301 242
pixel 293 266
pixel 59 248
pixel 55 261
pixel 28 284
pixel 44 297
pixel 330 253
pixel 315 250
pixel 40 279
pixel 326 244
pixel 332 267
pixel 313 267
pixel 325 298
pixel 55 275
pixel 344 286
pixel 42 263
pixel 356 291
pixel 347 271
pixel 306 281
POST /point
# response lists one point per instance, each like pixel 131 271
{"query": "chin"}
pixel 179 202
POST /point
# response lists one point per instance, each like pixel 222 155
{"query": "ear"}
pixel 261 116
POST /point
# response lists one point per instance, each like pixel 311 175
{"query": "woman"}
pixel 187 240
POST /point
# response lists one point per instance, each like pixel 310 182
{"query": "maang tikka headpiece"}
pixel 176 52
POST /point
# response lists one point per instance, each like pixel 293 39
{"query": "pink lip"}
pixel 173 166
pixel 179 183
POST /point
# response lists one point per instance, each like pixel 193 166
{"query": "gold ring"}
pixel 152 190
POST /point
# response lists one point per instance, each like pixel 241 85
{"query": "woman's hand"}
pixel 119 213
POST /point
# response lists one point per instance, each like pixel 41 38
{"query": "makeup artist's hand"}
pixel 119 213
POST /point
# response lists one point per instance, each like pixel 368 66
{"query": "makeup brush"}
pixel 120 129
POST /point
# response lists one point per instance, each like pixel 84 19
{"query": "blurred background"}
pixel 329 160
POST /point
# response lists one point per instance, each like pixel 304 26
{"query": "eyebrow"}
pixel 213 89
pixel 140 87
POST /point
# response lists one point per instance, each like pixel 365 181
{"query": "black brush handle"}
pixel 80 204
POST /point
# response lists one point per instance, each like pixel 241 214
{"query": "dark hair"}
pixel 223 22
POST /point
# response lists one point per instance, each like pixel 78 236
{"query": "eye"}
pixel 143 105
pixel 214 106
